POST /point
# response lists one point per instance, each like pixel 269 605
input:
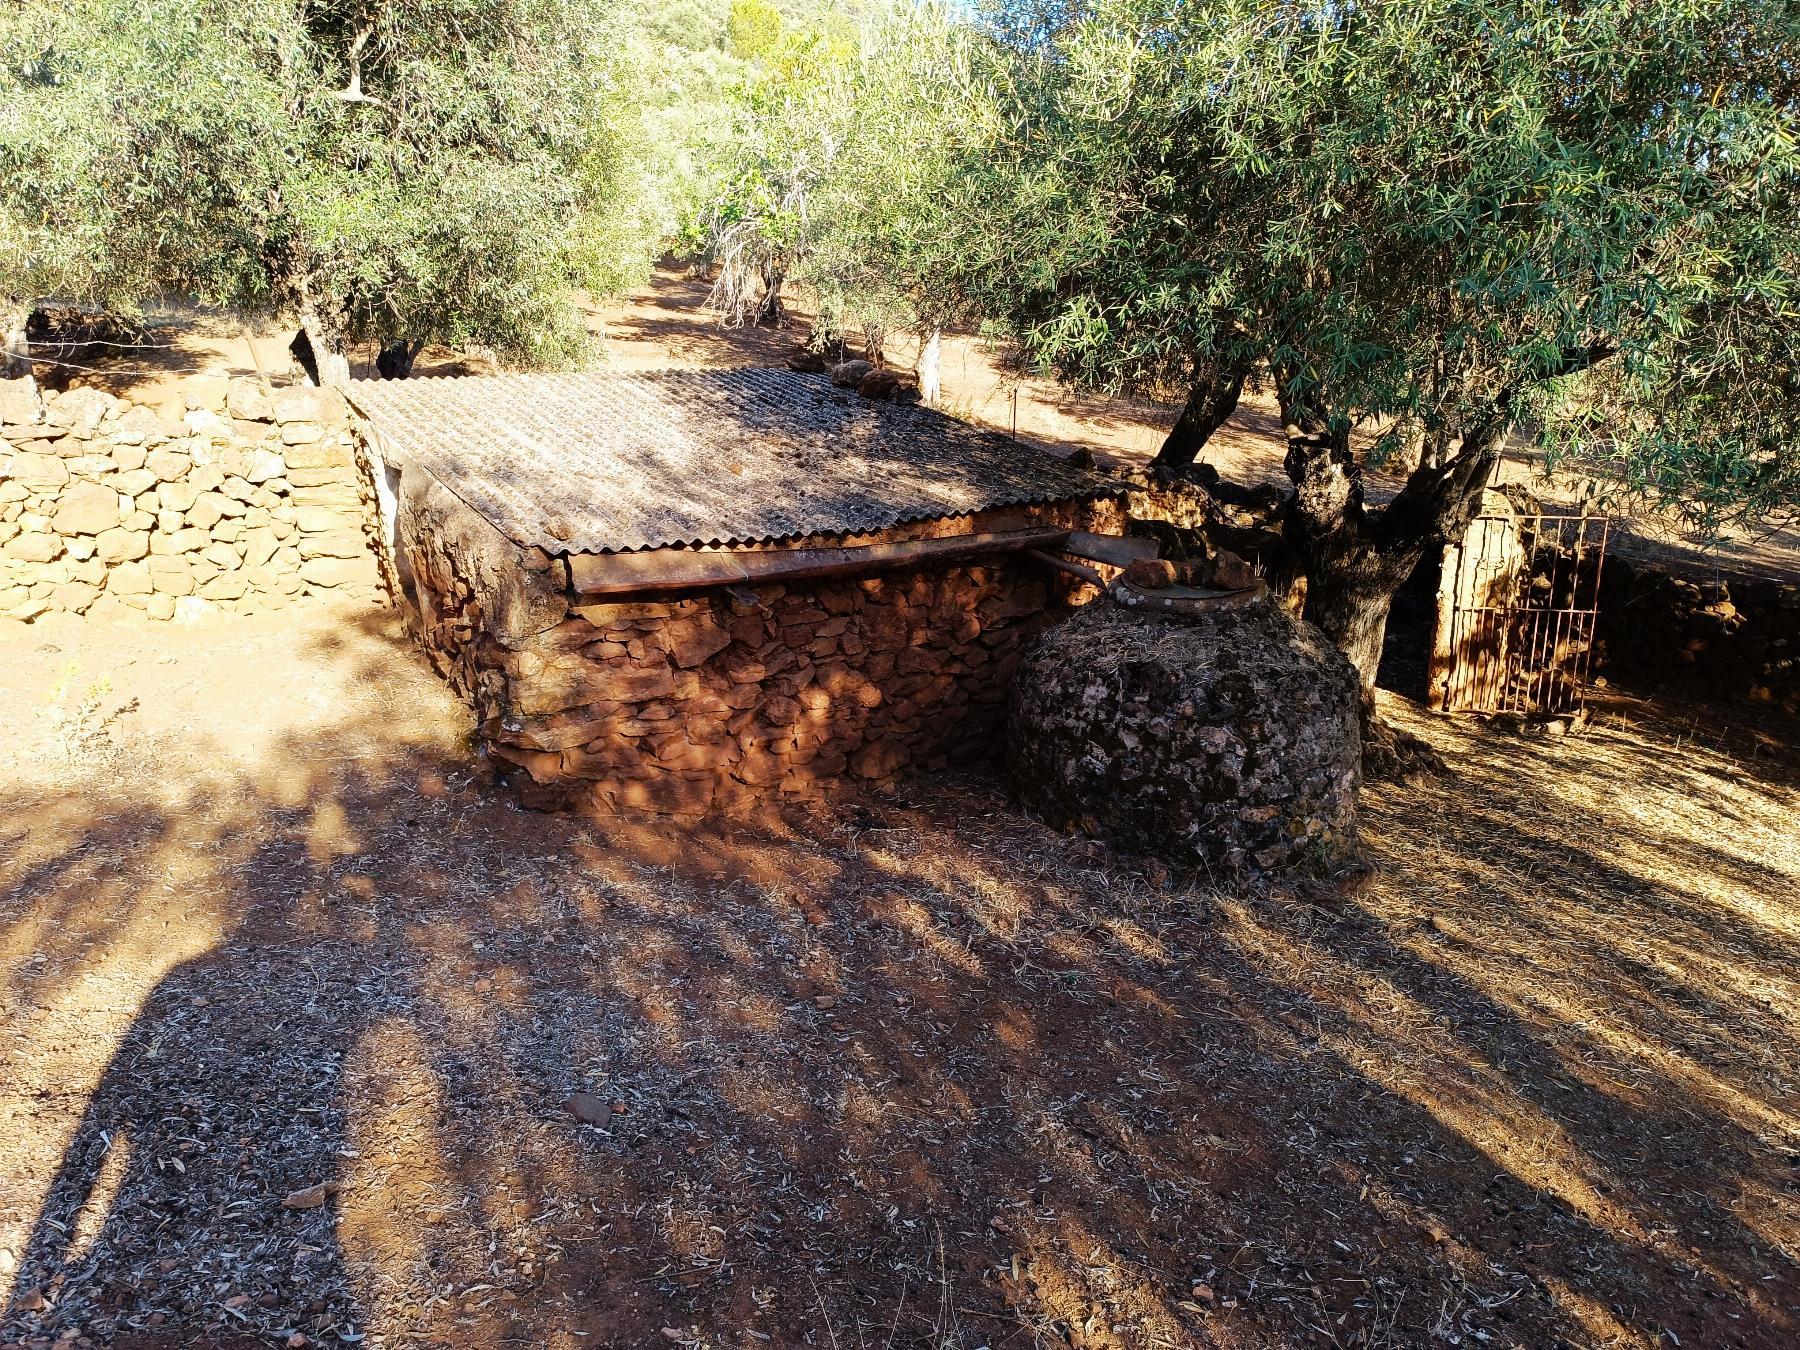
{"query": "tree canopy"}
pixel 1431 226
pixel 413 169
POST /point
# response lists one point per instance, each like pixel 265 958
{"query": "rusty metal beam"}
pixel 1118 550
pixel 668 569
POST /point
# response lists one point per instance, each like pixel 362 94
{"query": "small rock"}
pixel 589 1109
pixel 31 1300
pixel 825 1000
pixel 881 384
pixel 1232 572
pixel 1150 574
pixel 849 374
pixel 309 1197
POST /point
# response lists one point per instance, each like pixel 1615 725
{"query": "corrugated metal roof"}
pixel 604 462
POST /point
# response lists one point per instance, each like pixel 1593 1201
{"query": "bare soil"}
pixel 904 1071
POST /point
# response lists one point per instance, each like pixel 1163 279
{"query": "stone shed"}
pixel 694 591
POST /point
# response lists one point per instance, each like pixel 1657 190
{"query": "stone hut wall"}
pixel 227 496
pixel 718 699
pixel 1727 638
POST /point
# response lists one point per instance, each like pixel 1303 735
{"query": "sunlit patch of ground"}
pixel 906 1071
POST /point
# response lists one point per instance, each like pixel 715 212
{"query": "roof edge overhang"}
pixel 661 570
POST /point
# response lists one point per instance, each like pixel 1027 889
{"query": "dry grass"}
pixel 909 1072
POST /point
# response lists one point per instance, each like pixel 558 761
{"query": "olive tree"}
pixel 1434 226
pixel 406 170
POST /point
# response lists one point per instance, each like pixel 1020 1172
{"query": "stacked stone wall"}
pixel 227 495
pixel 719 699
pixel 1727 638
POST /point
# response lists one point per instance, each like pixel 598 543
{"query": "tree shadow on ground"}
pixel 906 1070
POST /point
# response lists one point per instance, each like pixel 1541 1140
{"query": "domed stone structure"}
pixel 1226 741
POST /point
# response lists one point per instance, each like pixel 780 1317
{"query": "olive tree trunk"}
pixel 1355 559
pixel 395 360
pixel 15 347
pixel 1213 398
pixel 322 354
pixel 931 383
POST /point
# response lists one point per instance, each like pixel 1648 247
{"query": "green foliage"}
pixel 436 169
pixel 753 29
pixel 834 168
pixel 1431 219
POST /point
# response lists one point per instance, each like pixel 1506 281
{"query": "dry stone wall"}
pixel 720 699
pixel 1724 638
pixel 226 496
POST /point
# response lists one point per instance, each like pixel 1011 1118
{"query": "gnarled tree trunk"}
pixel 931 386
pixel 395 360
pixel 1213 398
pixel 15 346
pixel 1355 559
pixel 770 312
pixel 322 355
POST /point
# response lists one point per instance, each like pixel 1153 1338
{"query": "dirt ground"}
pixel 294 1004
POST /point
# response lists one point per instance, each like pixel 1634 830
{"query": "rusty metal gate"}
pixel 1517 603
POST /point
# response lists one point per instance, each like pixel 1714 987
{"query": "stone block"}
pixel 129 578
pixel 205 392
pixel 321 519
pixel 136 428
pixel 207 426
pixel 120 545
pixel 301 433
pixel 309 478
pixel 176 496
pixel 87 510
pixel 334 544
pixel 339 571
pixel 879 760
pixel 168 465
pixel 304 404
pixel 238 489
pixel 34 548
pixel 132 482
pixel 80 410
pixel 222 556
pixel 259 546
pixel 20 402
pixel 264 465
pixel 343 496
pixel 171 574
pixel 75 596
pixel 38 471
pixel 690 642
pixel 208 510
pixel 320 455
pixel 247 399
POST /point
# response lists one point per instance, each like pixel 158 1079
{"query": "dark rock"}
pixel 1228 742
pixel 882 384
pixel 589 1109
pixel 1152 574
